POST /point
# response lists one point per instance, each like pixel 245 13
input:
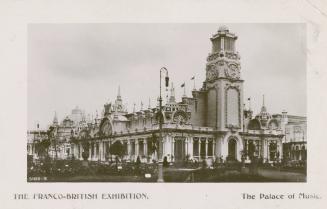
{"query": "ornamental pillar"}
pixel 145 149
pixel 173 147
pixel 186 146
pixel 90 150
pixel 101 150
pixel 191 148
pixel 199 148
pixel 129 148
pixel 136 148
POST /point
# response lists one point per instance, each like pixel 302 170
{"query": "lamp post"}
pixel 160 171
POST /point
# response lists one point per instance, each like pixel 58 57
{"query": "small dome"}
pixel 223 28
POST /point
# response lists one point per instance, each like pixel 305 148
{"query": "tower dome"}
pixel 263 116
pixel 223 28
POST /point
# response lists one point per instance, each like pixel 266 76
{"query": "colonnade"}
pixel 175 148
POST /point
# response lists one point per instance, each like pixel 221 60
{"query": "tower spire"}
pixel 149 104
pixel 263 108
pixel 263 100
pixel 118 94
pixel 172 93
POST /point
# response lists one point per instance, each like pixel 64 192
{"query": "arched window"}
pixel 272 151
pixel 195 146
pixel 273 124
pixel 254 125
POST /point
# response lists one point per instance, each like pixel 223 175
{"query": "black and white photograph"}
pixel 166 102
pixel 163 104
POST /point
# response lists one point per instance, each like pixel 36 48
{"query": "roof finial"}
pixel 172 93
pixel 141 106
pixel 263 108
pixel 263 100
pixel 55 119
pixel 149 104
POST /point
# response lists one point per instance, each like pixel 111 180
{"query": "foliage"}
pixel 117 148
pixel 41 147
pixel 165 162
pixel 154 143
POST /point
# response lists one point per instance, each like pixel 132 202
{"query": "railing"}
pixel 273 132
pixel 165 126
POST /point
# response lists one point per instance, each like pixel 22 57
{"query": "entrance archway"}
pixel 179 149
pixel 232 145
pixel 251 150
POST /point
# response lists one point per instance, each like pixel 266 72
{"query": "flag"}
pixel 193 78
pixel 183 85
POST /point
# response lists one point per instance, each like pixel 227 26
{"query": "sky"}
pixel 82 65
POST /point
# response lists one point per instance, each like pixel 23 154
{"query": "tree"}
pixel 86 146
pixel 52 139
pixel 117 149
pixel 42 147
pixel 153 143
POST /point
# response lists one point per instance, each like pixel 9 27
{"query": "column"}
pixel 186 146
pixel 280 149
pixel 94 151
pixel 206 154
pixel 247 141
pixel 136 148
pixel 213 149
pixel 191 148
pixel 163 147
pixel 199 145
pixel 90 150
pixel 80 148
pixel 129 148
pixel 173 148
pixel 101 150
pixel 104 150
pixel 267 150
pixel 145 149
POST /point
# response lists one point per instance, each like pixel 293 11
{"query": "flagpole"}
pixel 193 78
pixel 184 90
pixel 194 83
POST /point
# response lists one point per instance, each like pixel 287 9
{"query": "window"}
pixel 195 146
pixel 141 148
pixel 232 106
pixel 210 147
pixel 203 148
pixel 132 148
pixel 272 151
pixel 125 148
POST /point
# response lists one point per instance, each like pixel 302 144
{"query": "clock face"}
pixel 120 107
pixel 233 71
pixel 106 128
pixel 83 134
pixel 180 118
pixel 212 72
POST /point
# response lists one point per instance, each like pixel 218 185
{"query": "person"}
pixel 165 162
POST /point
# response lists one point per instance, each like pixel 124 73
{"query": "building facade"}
pixel 211 125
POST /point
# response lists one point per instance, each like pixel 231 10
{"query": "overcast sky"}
pixel 83 64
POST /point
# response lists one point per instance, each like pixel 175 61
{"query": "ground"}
pixel 174 174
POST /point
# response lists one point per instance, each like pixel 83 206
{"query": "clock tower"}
pixel 223 83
